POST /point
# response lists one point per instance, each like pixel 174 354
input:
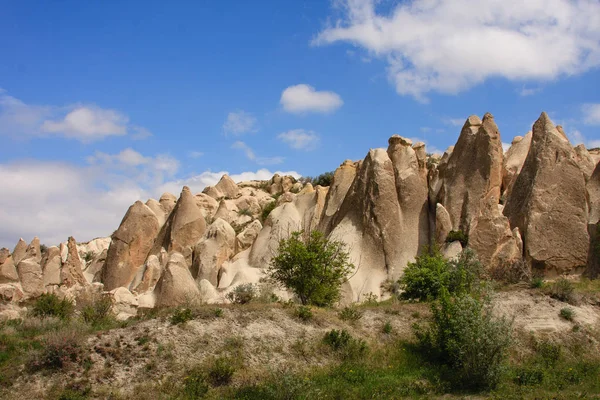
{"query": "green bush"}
pixel 312 266
pixel 49 305
pixel 242 294
pixel 462 237
pixel 194 384
pixel 59 350
pixel 567 313
pixel 267 210
pixel 465 336
pixel 221 372
pixel 387 328
pixel 562 290
pixel 98 312
pixel 350 313
pixel 245 211
pixel 537 282
pixel 343 343
pixel 431 273
pixel 181 315
pixel 304 313
pixel 337 339
pixel 325 179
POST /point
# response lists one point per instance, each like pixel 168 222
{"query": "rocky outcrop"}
pixel 51 265
pixel 152 272
pixel 593 190
pixel 31 277
pixel 443 224
pixel 19 251
pixel 168 201
pixel 8 270
pixel 33 250
pixel 226 188
pixel 342 180
pixel 130 246
pixel 513 161
pixel 247 236
pixel 473 172
pixel 72 270
pixel 216 247
pixel 176 286
pixel 548 203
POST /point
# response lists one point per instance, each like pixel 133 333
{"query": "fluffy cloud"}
pixel 451 45
pixel 252 156
pixel 304 98
pixel 591 114
pixel 239 122
pixel 85 123
pixel 300 139
pixel 56 200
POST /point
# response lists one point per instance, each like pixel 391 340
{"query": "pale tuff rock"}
pixel 473 172
pixel 71 272
pixel 443 224
pixel 8 271
pixel 64 252
pixel 593 191
pixel 412 193
pixel 94 246
pixel 249 204
pixel 227 187
pixel 93 271
pixel 368 221
pixel 433 175
pixel 176 286
pixel 513 161
pixel 10 293
pixel 187 222
pixel 19 251
pixel 585 161
pixel 492 239
pixel 51 265
pixel 451 251
pixel 216 247
pixel 280 184
pixel 4 254
pixel 33 250
pixel 342 180
pixel 247 236
pixel 206 204
pixel 158 210
pixel 130 246
pixel 548 203
pixel 124 303
pixel 208 292
pixel 31 277
pixel 168 201
pixel 152 273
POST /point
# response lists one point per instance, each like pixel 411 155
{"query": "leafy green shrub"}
pixel 194 384
pixel 324 179
pixel 343 343
pixel 49 305
pixel 242 294
pixel 181 315
pixel 562 290
pixel 304 313
pixel 311 266
pixel 88 256
pixel 60 349
pixel 387 328
pixel 567 313
pixel 98 312
pixel 465 336
pixel 537 282
pixel 245 211
pixel 529 376
pixel 462 237
pixel 218 312
pixel 431 273
pixel 337 339
pixel 221 372
pixel 350 313
pixel 267 210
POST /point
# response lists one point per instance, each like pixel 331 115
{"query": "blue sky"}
pixel 103 103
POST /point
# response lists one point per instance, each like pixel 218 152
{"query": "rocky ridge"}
pixel 535 205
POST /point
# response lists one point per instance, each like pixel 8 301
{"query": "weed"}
pixel 59 350
pixel 242 294
pixel 49 304
pixel 562 289
pixel 98 312
pixel 267 210
pixel 387 328
pixel 221 371
pixel 567 313
pixel 304 313
pixel 462 237
pixel 194 384
pixel 181 315
pixel 537 282
pixel 350 313
pixel 245 211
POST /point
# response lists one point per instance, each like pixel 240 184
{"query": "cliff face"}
pixel 537 203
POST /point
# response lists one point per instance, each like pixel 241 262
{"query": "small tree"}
pixel 311 266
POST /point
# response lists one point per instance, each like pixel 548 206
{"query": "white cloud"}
pixel 239 122
pixel 85 123
pixel 253 157
pixel 425 129
pixel 300 139
pixel 524 92
pixel 195 154
pixel 449 46
pixel 505 146
pixel 304 98
pixel 454 121
pixel 56 200
pixel 591 114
